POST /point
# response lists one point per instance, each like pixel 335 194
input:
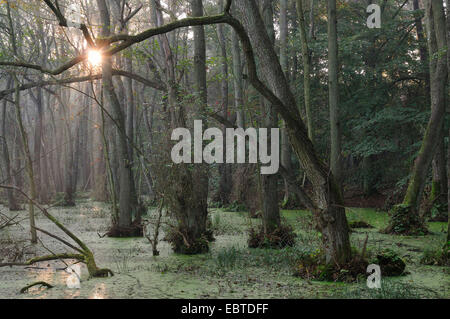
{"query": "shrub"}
pixel 312 266
pixel 390 263
pixel 437 256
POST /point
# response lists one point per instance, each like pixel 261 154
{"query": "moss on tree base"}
pixel 281 237
pixel 404 220
pixel 186 245
pixel 313 267
pixel 135 230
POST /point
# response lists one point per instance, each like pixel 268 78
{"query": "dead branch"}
pixel 86 256
pixel 38 283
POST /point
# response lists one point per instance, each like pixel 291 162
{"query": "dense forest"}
pixel 135 135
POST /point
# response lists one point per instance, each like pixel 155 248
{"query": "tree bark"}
pixel 237 81
pixel 269 183
pixel 306 58
pixel 29 163
pixel 12 202
pixel 224 169
pixel 333 92
pixel 127 196
pixel 437 42
pixel 330 213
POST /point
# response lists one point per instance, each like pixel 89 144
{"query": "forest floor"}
pixel 229 270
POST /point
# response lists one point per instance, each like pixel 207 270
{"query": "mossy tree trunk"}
pixel 404 217
pixel 439 183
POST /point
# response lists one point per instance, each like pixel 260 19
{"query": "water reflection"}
pixel 99 292
pixel 53 276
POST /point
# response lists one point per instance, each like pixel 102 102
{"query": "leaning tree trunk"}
pixel 405 217
pixel 330 212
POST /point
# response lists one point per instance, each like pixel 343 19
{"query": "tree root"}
pixel 38 283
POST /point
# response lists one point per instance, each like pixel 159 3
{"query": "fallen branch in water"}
pixel 39 283
pixel 85 254
pixel 6 221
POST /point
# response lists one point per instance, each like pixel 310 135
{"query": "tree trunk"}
pixel 330 212
pixel 189 204
pixel 237 81
pixel 224 169
pixel 306 58
pixel 422 46
pixel 437 42
pixel 29 163
pixel 12 202
pixel 127 197
pixel 439 181
pixel 333 91
pixel 269 183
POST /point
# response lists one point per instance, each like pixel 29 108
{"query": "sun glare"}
pixel 94 57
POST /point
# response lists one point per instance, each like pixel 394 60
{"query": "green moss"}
pixel 390 263
pixel 404 220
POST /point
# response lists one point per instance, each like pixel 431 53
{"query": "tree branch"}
pixel 153 84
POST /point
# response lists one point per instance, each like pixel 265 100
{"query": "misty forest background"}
pixel 87 111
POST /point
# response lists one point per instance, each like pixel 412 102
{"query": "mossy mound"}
pixel 134 230
pixel 390 263
pixel 281 237
pixel 359 224
pixel 313 267
pixel 404 220
pixel 186 245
